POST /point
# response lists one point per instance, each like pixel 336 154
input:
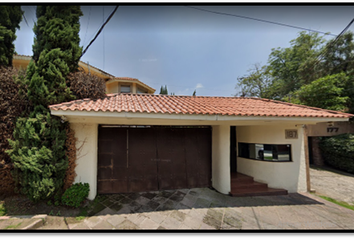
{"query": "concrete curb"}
pixel 35 224
pixel 39 221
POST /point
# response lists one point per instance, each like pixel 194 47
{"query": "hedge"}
pixel 338 151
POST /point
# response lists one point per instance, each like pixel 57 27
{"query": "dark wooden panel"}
pixel 198 157
pixel 112 160
pixel 142 160
pixel 150 159
pixel 171 158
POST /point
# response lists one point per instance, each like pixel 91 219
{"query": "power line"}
pixel 88 22
pixel 319 57
pixel 260 20
pixel 103 40
pixel 99 31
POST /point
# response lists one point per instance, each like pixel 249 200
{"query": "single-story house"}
pixel 144 142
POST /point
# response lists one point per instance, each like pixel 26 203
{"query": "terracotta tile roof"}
pixel 233 106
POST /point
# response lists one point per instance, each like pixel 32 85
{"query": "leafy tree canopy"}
pixel 310 63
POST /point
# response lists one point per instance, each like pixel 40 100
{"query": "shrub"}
pixel 70 144
pixel 38 155
pixel 75 195
pixel 84 85
pixel 13 104
pixel 338 151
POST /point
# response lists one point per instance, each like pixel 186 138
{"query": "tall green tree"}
pixel 287 66
pixel 10 18
pixel 309 72
pixel 38 151
pixel 327 92
pixel 338 55
pixel 163 90
pixel 255 84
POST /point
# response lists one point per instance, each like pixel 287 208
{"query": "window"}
pixel 139 90
pixel 265 152
pixel 125 88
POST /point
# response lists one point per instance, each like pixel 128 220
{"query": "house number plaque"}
pixel 291 134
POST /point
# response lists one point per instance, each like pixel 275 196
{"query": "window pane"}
pixel 265 152
pixel 139 90
pixel 125 88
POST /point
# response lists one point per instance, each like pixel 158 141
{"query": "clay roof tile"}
pixel 237 106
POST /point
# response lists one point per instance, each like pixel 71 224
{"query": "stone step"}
pixel 245 186
pixel 259 192
pixel 240 178
pixel 250 186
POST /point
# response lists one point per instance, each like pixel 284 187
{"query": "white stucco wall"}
pixel 221 158
pixel 287 175
pixel 86 145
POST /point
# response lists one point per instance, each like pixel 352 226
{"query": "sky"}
pixel 188 49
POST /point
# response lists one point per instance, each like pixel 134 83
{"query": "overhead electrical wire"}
pixel 99 31
pixel 88 22
pixel 260 20
pixel 103 52
pixel 319 57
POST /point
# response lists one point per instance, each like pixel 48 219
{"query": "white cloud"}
pixel 199 85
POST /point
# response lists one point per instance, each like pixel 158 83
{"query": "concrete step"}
pixel 248 186
pixel 240 178
pixel 259 192
pixel 245 186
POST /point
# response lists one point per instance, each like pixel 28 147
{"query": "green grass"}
pixel 2 210
pixel 80 218
pixel 13 226
pixel 343 204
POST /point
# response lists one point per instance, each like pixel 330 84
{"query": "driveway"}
pixel 333 183
pixel 199 208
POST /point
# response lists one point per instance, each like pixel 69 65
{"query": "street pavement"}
pixel 333 183
pixel 196 209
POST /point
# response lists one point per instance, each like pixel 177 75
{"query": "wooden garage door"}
pixel 136 159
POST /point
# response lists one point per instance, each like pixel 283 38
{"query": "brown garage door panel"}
pixel 142 160
pixel 104 186
pixel 145 183
pixel 171 158
pixel 198 157
pixel 156 158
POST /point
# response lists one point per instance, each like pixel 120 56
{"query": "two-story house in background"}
pixel 113 84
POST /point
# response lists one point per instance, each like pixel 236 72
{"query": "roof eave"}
pixel 196 117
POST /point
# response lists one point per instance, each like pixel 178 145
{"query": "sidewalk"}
pixel 200 208
pixel 333 183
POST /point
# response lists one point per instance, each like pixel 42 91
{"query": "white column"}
pixel 221 158
pixel 86 155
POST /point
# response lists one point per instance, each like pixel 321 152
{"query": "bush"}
pixel 70 144
pixel 75 195
pixel 84 85
pixel 38 155
pixel 13 104
pixel 338 151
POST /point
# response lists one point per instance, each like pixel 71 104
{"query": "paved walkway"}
pixel 199 208
pixel 332 183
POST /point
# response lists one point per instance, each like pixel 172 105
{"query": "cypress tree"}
pixel 10 18
pixel 38 151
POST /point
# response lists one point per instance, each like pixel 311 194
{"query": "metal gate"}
pixel 146 158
